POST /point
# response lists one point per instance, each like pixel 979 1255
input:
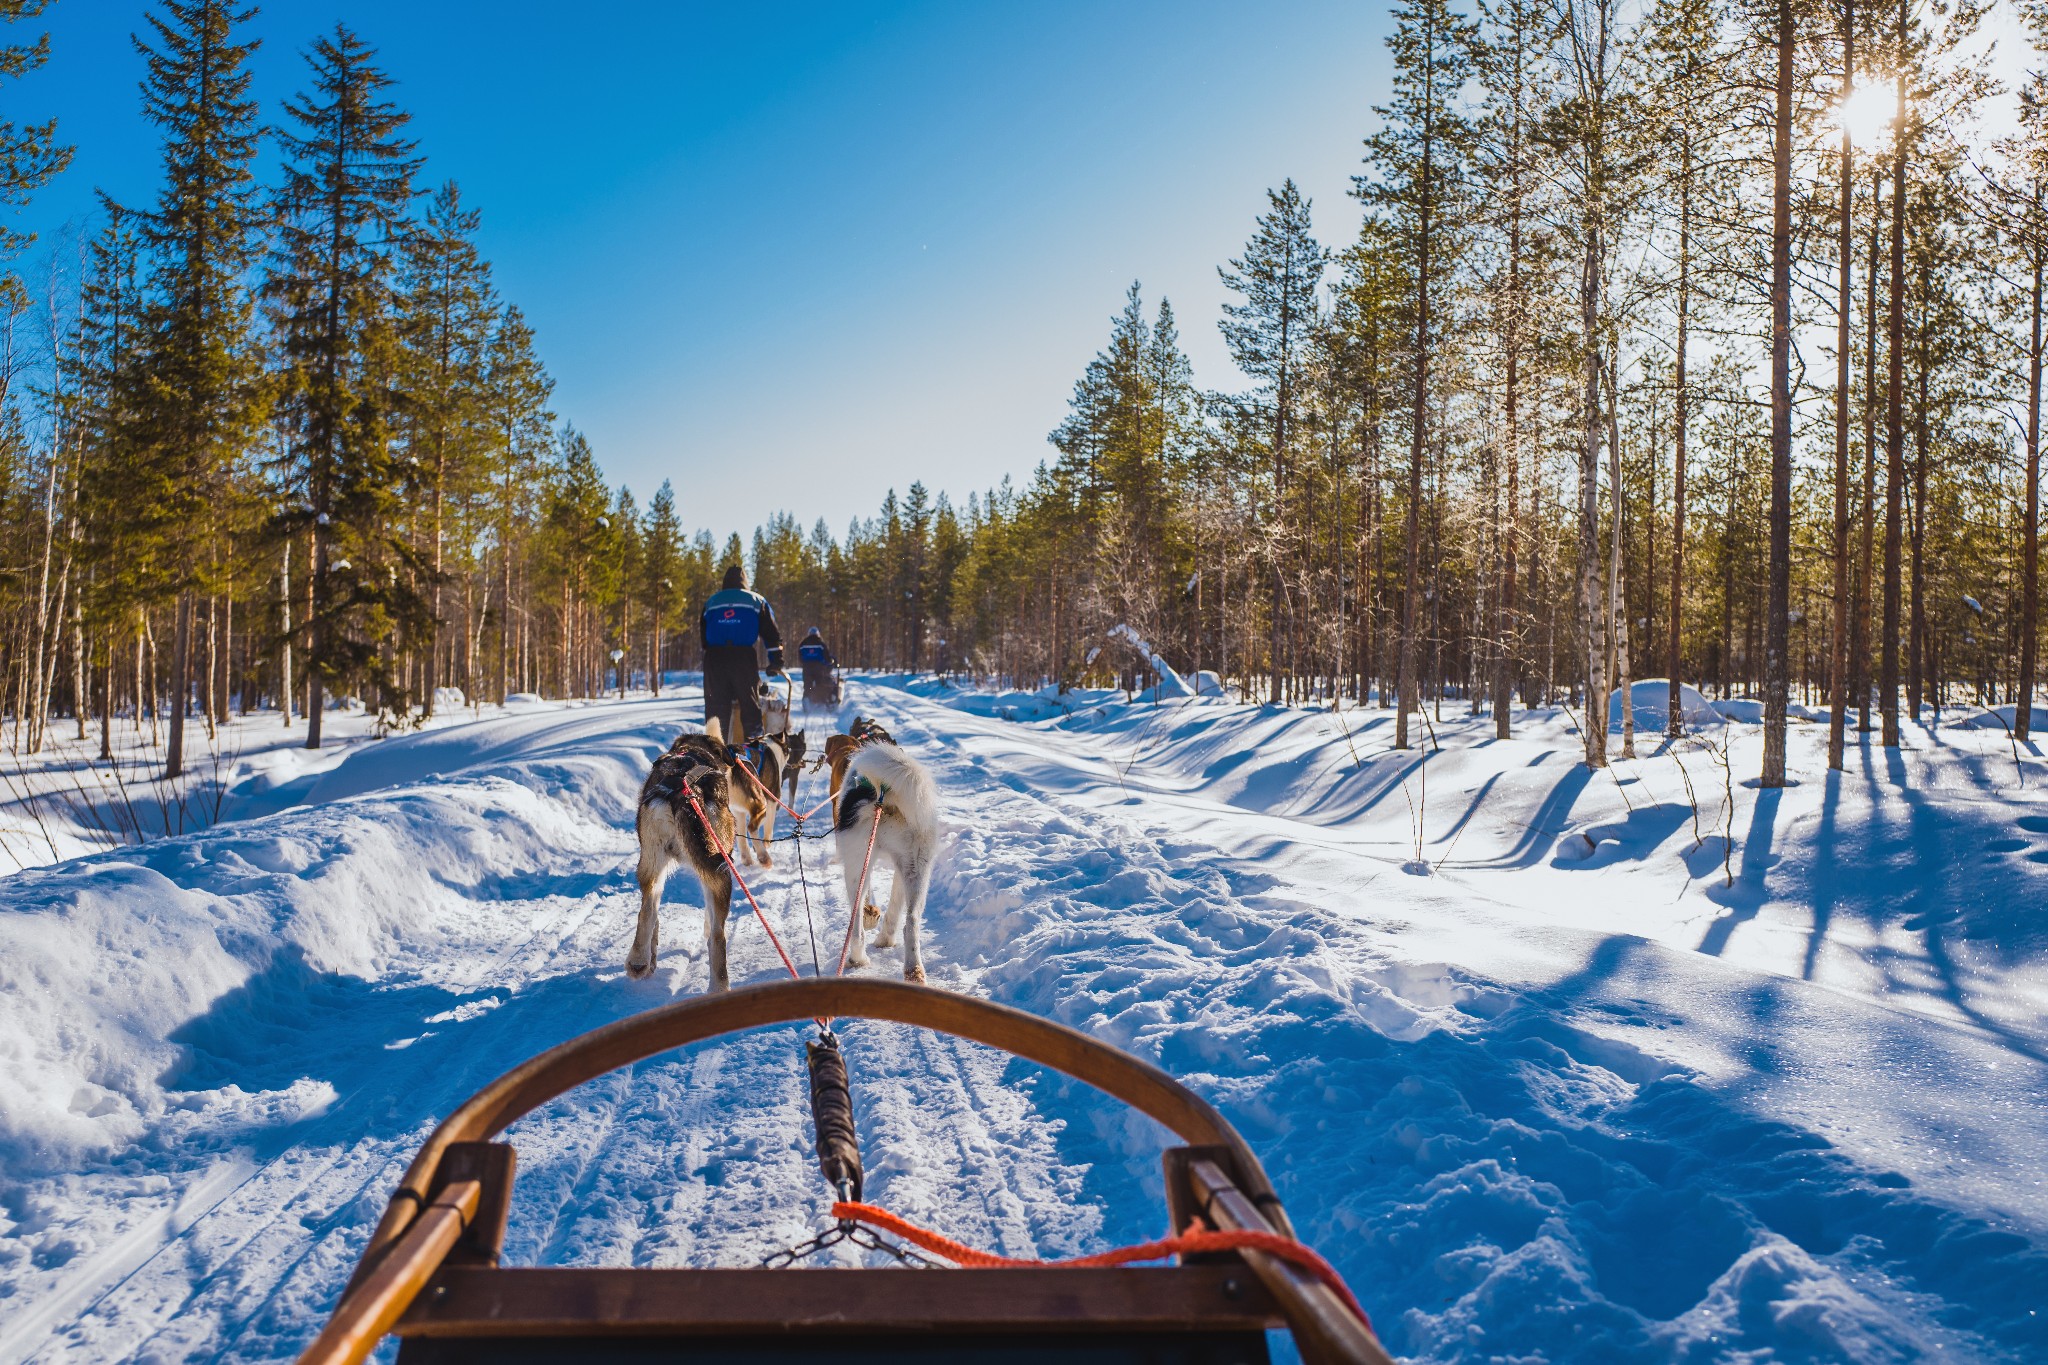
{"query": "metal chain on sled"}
pixel 838 1145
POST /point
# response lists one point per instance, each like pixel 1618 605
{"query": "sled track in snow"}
pixel 253 1224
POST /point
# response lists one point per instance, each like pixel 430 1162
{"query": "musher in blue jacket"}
pixel 734 620
pixel 821 688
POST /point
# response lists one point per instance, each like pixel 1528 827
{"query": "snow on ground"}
pixel 1556 1065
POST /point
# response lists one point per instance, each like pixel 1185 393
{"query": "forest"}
pixel 1685 339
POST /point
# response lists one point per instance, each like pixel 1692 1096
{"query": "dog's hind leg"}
pixel 653 873
pixel 767 837
pixel 717 909
pixel 918 879
pixel 857 956
pixel 892 923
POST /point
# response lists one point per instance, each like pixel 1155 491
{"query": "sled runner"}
pixel 430 1273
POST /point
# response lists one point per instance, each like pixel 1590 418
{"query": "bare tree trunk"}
pixel 107 707
pixel 284 650
pixel 1593 616
pixel 1894 418
pixel 2030 553
pixel 1860 643
pixel 1617 589
pixel 1777 679
pixel 81 701
pixel 141 638
pixel 1504 603
pixel 1674 724
pixel 1917 670
pixel 181 687
pixel 1405 683
pixel 1838 661
pixel 316 650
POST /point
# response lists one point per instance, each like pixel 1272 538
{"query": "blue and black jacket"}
pixel 733 620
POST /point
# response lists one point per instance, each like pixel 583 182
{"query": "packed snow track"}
pixel 1693 1088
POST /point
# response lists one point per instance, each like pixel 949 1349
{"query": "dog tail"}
pixel 739 726
pixel 890 769
pixel 712 731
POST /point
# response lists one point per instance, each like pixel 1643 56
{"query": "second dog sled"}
pixel 430 1273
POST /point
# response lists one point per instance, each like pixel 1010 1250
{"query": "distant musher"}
pixel 821 687
pixel 734 620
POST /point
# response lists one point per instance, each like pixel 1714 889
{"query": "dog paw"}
pixel 885 940
pixel 870 916
pixel 914 973
pixel 637 971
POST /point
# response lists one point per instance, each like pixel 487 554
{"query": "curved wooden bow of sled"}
pixel 457 1189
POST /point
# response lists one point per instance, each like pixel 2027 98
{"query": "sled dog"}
pixel 774 711
pixel 906 841
pixel 753 803
pixel 792 760
pixel 671 834
pixel 840 749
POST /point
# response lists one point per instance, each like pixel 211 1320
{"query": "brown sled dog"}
pixel 672 833
pixel 840 749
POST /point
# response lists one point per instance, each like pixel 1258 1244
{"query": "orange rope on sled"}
pixel 1195 1239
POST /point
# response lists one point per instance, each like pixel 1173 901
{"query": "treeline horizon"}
pixel 1638 366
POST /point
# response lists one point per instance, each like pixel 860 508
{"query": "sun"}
pixel 1866 114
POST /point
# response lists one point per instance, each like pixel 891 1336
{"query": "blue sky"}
pixel 791 256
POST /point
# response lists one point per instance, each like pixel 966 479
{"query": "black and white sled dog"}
pixel 672 833
pixel 906 841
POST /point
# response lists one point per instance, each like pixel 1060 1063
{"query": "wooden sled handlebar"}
pixel 406 1248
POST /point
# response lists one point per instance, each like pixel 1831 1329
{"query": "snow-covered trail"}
pixel 1522 1132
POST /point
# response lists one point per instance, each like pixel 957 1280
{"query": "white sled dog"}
pixel 906 841
pixel 671 833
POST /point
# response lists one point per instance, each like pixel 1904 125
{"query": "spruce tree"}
pixel 347 185
pixel 201 393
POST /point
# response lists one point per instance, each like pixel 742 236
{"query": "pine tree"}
pixel 1518 37
pixel 516 390
pixel 341 209
pixel 1777 668
pixel 660 563
pixel 201 393
pixel 1269 333
pixel 30 157
pixel 447 311
pixel 2023 205
pixel 1419 158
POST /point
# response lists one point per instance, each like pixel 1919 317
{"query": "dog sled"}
pixel 821 687
pixel 431 1274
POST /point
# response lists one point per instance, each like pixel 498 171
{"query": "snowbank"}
pixel 1651 698
pixel 1170 683
pixel 1653 1066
